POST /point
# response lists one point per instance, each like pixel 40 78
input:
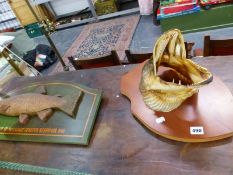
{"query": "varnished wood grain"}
pixel 211 108
pixel 119 144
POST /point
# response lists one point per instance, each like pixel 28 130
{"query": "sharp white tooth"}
pixel 173 81
pixel 179 82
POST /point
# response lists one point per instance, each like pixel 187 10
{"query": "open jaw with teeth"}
pixel 180 78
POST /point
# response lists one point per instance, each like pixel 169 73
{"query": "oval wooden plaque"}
pixel 206 116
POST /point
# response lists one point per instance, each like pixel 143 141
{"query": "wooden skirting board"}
pixel 209 111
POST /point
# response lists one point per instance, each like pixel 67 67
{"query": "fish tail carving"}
pixel 71 103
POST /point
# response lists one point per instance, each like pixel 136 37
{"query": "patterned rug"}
pixel 100 38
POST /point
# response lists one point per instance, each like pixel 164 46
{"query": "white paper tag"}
pixel 41 56
pixel 160 120
pixel 196 130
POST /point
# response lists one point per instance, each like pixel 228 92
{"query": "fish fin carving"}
pixel 4 107
pixel 45 114
pixel 40 90
pixel 71 104
pixel 24 119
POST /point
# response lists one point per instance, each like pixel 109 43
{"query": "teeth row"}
pixel 173 81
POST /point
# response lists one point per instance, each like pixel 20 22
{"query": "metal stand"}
pixel 11 62
pixel 65 67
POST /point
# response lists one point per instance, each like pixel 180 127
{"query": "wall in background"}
pixel 63 7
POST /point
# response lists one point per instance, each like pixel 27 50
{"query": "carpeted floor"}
pixel 100 38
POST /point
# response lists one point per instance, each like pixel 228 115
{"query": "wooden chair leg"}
pixel 206 51
pixel 156 4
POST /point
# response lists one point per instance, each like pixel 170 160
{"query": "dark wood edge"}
pixel 206 51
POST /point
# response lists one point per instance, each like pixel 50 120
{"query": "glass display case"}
pixel 11 65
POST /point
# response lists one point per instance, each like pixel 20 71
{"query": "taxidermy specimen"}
pixel 30 104
pixel 186 77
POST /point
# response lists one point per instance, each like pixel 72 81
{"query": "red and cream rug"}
pixel 100 38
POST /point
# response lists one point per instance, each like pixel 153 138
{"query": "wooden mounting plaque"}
pixel 211 109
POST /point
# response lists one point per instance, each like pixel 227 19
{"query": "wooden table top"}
pixel 119 143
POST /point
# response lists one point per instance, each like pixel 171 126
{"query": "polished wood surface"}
pixel 211 108
pixel 119 144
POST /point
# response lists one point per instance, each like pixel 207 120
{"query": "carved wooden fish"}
pixel 30 104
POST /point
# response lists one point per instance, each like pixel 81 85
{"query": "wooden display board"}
pixel 206 116
pixel 60 128
pixel 25 15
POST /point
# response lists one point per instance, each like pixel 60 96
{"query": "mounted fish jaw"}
pixel 163 95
